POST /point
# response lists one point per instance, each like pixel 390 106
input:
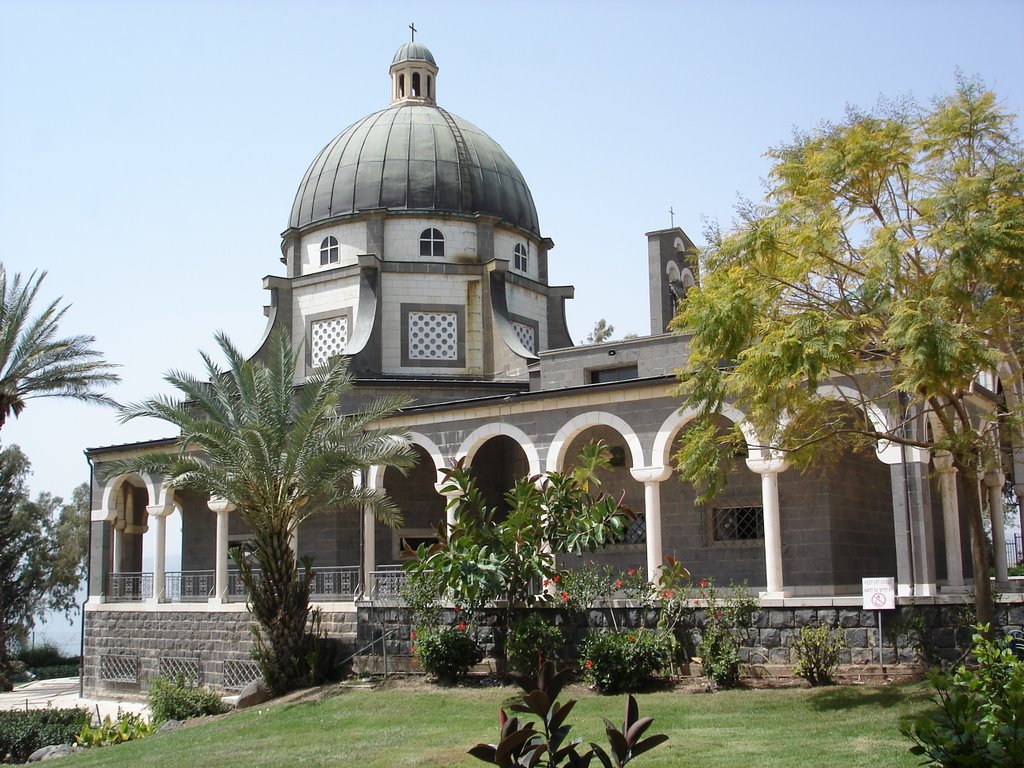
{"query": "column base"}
pixel 782 595
pixel 920 590
pixel 216 601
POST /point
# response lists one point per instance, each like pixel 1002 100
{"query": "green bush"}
pixel 530 642
pixel 177 700
pixel 22 733
pixel 981 717
pixel 726 623
pixel 128 726
pixel 448 652
pixel 817 651
pixel 616 662
pixel 45 655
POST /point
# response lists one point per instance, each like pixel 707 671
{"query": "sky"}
pixel 150 151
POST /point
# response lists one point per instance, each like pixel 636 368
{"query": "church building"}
pixel 414 248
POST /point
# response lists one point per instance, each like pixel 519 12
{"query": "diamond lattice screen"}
pixel 433 336
pixel 328 338
pixel 527 335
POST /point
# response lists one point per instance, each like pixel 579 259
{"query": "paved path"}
pixel 63 692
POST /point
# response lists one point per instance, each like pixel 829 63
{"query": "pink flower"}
pixel 619 583
pixel 631 571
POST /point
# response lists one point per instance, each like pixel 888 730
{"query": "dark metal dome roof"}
pixel 414 157
pixel 414 52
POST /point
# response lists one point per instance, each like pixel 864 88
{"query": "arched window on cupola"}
pixel 416 84
pixel 432 243
pixel 329 251
pixel 401 86
pixel 520 261
pixel 430 88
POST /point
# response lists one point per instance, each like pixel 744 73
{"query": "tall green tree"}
pixel 888 256
pixel 279 453
pixel 42 560
pixel 34 360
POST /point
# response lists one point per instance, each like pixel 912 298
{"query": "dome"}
pixel 413 52
pixel 414 157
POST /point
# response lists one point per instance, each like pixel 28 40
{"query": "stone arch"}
pixel 482 434
pixel 560 444
pixel 662 448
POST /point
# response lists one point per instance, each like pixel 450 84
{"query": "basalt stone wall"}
pixel 912 634
pixel 126 649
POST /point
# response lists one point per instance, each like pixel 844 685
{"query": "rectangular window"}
pixel 605 375
pixel 737 524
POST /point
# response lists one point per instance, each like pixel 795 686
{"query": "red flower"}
pixel 556 578
pixel 413 634
pixel 668 594
pixel 462 626
pixel 619 583
pixel 703 582
pixel 545 582
pixel 631 638
pixel 718 614
pixel 696 602
pixel 456 609
pixel 565 597
pixel 414 649
pixel 631 571
pixel 590 664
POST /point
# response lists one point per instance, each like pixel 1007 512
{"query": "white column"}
pixel 769 470
pixel 369 539
pixel 118 548
pixel 994 485
pixel 950 518
pixel 159 514
pixel 223 508
pixel 652 478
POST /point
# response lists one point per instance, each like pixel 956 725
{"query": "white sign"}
pixel 879 594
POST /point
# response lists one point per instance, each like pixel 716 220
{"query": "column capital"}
pixel 454 494
pixel 943 461
pixel 650 474
pixel 994 478
pixel 219 504
pixel 767 466
pixel 160 510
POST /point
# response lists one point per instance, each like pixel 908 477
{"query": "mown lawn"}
pixel 846 726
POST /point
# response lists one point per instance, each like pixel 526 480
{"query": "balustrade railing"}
pixel 189 586
pixel 332 583
pixel 387 582
pixel 128 587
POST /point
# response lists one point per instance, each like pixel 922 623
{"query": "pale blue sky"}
pixel 149 152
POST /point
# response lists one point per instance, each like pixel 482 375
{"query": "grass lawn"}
pixel 413 725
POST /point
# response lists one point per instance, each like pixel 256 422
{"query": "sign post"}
pixel 879 595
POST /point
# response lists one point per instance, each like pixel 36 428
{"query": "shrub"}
pixel 22 733
pixel 522 745
pixel 616 662
pixel 817 650
pixel 530 641
pixel 128 726
pixel 177 700
pixel 981 717
pixel 448 652
pixel 44 655
pixel 726 623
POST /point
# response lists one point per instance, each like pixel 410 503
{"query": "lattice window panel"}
pixel 238 674
pixel 737 524
pixel 636 533
pixel 527 335
pixel 119 668
pixel 186 668
pixel 327 339
pixel 433 336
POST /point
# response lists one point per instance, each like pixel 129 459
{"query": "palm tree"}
pixel 34 362
pixel 279 453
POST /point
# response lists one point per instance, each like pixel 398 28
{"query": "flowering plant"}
pixel 624 660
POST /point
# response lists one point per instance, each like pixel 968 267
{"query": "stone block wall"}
pixel 125 649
